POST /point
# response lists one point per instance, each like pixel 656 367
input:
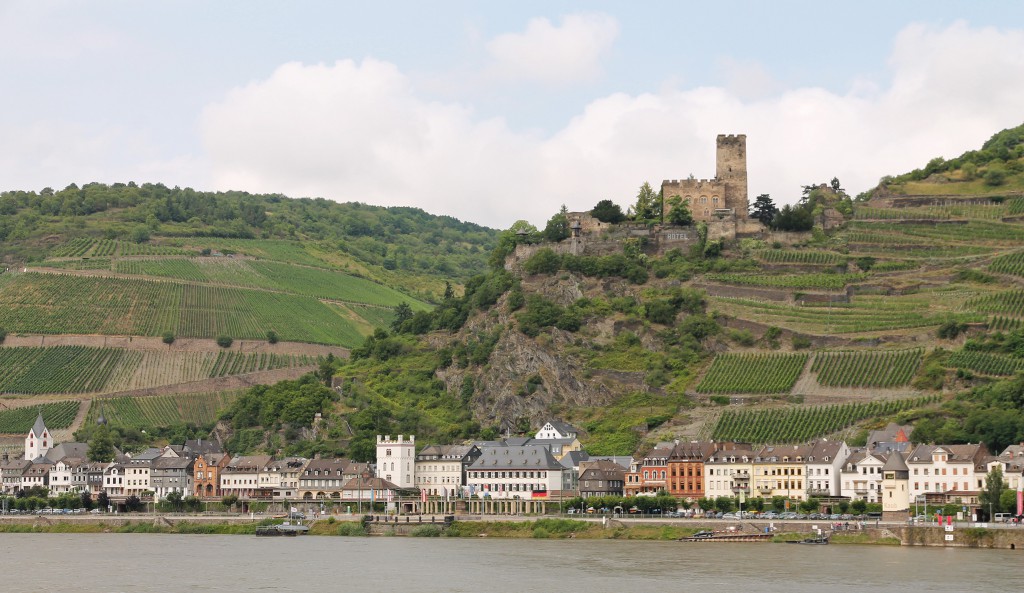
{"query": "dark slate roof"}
pixel 202 446
pixel 39 427
pixel 895 463
pixel 528 457
pixel 563 427
pixel 168 463
pixel 71 449
pixel 248 463
pixel 450 452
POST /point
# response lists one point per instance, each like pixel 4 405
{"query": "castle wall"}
pixel 703 195
pixel 731 167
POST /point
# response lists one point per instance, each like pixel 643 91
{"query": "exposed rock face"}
pixel 503 391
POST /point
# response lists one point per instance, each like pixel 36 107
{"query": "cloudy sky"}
pixel 496 111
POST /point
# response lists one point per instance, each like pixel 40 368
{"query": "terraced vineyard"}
pixel 60 369
pixel 87 247
pixel 779 256
pixel 823 281
pixel 795 424
pixel 985 363
pixel 885 369
pixel 56 415
pixel 865 314
pixel 1012 263
pixel 976 211
pixel 753 373
pixel 52 304
pixel 167 410
pixel 167 368
pixel 1010 302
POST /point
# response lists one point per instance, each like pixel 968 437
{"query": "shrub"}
pixel 168 338
pixel 272 337
pixel 719 400
pixel 225 341
pixel 801 342
pixel 426 531
pixel 351 529
pixel 995 177
pixel 3 335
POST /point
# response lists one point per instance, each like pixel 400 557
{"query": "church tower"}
pixel 38 442
pixel 396 460
pixel 731 168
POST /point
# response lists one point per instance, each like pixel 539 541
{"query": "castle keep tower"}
pixel 725 196
pixel 731 167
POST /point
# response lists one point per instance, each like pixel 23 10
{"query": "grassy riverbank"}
pixel 534 529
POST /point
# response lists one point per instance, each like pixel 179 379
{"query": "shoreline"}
pixel 514 528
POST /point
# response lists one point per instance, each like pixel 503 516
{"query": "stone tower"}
pixel 895 488
pixel 731 168
pixel 396 459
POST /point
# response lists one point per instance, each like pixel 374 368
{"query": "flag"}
pixel 423 495
pixel 391 496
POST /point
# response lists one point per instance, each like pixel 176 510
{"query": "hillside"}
pixel 896 306
pixel 127 289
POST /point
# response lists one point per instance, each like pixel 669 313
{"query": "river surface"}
pixel 141 563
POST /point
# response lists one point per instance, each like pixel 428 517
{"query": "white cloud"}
pixel 360 131
pixel 547 53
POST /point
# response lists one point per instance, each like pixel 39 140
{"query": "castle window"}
pixel 688 199
pixel 703 199
pixel 714 200
pixel 705 212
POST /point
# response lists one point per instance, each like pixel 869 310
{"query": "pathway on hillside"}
pixel 179 345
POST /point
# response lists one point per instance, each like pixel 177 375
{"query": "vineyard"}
pixel 799 281
pixel 60 369
pixel 866 369
pixel 1012 263
pixel 1010 302
pixel 865 314
pixel 167 410
pixel 985 363
pixel 55 304
pixel 86 247
pixel 167 368
pixel 753 373
pixel 800 424
pixel 979 211
pixel 779 256
pixel 274 276
pixel 56 416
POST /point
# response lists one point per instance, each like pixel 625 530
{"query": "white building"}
pixel 39 441
pixel 557 430
pixel 728 471
pixel 526 472
pixel 861 476
pixel 947 473
pixel 441 469
pixel 396 460
pixel 824 465
pixel 241 477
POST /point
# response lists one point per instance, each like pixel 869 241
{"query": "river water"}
pixel 139 563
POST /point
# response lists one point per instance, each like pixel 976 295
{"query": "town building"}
pixel 727 473
pixel 396 459
pixel 554 429
pixel 780 470
pixel 943 474
pixel 648 476
pixel 325 478
pixel 601 478
pixel 441 469
pixel 861 475
pixel 172 474
pixel 824 468
pixel 208 467
pixel 895 488
pixel 525 472
pixel 241 478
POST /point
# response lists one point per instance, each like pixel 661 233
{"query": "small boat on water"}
pixel 709 536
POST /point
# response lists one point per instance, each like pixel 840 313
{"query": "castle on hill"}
pixel 724 196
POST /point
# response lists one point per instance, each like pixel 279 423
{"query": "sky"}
pixel 493 112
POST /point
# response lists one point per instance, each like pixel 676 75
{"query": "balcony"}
pixel 818 493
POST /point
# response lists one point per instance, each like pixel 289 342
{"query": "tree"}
pixel 764 209
pixel 608 211
pixel 449 292
pixel 557 228
pixel 102 500
pixel 133 504
pixel 168 338
pixel 229 501
pixel 225 341
pixel 793 218
pixel 272 337
pixel 989 498
pixel 648 204
pixel 3 335
pixel 174 501
pixel 101 445
pixel 86 500
pixel 403 312
pixel 679 213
